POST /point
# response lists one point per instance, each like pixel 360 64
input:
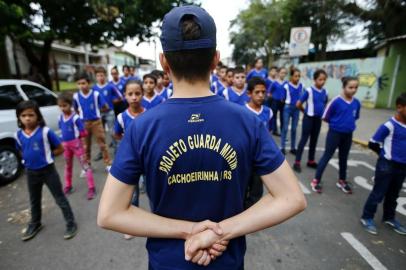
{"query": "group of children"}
pixel 111 106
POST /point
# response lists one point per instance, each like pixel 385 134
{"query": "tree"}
pixel 384 18
pixel 36 25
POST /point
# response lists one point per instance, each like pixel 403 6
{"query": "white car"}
pixel 11 93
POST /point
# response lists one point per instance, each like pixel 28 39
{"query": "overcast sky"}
pixel 223 12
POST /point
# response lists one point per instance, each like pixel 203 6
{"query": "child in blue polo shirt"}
pixel 150 98
pixel 256 90
pixel 197 152
pixel 218 86
pixel 73 132
pixel 39 145
pixel 258 70
pixel 237 93
pixel 316 99
pixel 117 83
pixel 278 95
pixel 293 91
pixel 161 89
pixel 341 114
pixel 389 142
pixel 88 104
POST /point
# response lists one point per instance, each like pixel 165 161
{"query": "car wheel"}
pixel 10 165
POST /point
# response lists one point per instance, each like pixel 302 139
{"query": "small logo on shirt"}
pixel 195 118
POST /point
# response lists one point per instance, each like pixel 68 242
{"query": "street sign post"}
pixel 299 41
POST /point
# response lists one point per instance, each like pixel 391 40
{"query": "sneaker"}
pixel 315 184
pixel 71 231
pixel 108 167
pixel 91 193
pixel 296 167
pixel 283 152
pixel 68 190
pixel 82 174
pixel 293 151
pixel 343 185
pixel 98 157
pixel 31 231
pixel 396 226
pixel 369 225
pixel 312 164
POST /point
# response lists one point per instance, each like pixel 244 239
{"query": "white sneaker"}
pixel 83 174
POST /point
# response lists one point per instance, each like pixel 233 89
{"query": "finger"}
pixel 192 249
pixel 219 247
pixel 224 242
pixel 208 260
pixel 198 256
pixel 203 258
pixel 215 227
pixel 215 253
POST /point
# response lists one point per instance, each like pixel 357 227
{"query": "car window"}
pixel 9 97
pixel 42 97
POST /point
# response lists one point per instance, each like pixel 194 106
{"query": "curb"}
pixel 360 142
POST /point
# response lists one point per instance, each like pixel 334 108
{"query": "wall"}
pixel 396 50
pixel 368 70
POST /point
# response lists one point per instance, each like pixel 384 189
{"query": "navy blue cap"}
pixel 171 37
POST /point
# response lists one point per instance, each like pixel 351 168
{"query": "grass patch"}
pixel 64 86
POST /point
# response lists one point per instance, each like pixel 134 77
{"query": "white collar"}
pixel 254 111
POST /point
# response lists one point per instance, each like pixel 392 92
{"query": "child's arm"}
pixel 376 141
pixel 55 142
pixel 58 150
pixel 117 95
pixel 104 106
pixel 329 111
pixel 303 99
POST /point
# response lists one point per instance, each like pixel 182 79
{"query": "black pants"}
pixel 254 192
pixel 310 128
pixel 389 177
pixel 277 106
pixel 48 176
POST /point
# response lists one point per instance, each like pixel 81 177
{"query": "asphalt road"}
pixel 327 235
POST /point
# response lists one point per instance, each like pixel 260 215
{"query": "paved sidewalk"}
pixel 368 123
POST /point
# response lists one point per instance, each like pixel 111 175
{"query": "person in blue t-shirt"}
pixel 218 86
pixel 341 114
pixel 160 88
pixel 133 75
pixel 293 91
pixel 150 98
pixel 126 74
pixel 237 93
pixel 118 84
pixel 230 76
pixel 389 142
pixel 38 146
pixel 258 70
pixel 256 89
pixel 278 95
pixel 272 76
pixel 197 164
pixel 316 99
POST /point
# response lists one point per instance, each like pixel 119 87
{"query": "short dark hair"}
pixel 239 70
pixel 273 67
pixel 318 72
pixel 346 79
pixel 100 70
pixel 115 68
pixel 280 68
pixel 66 97
pixel 158 73
pixel 191 65
pixel 257 59
pixel 82 76
pixel 401 100
pixel 151 76
pixel 230 70
pixel 25 105
pixel 126 67
pixel 293 71
pixel 129 82
pixel 254 82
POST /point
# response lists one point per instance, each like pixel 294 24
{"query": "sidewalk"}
pixel 369 122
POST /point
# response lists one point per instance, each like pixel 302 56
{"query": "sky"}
pixel 223 12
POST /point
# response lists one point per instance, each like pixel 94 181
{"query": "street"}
pixel 327 235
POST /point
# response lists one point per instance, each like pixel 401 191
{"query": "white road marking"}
pixel 353 163
pixel 363 251
pixel 363 182
pixel 304 188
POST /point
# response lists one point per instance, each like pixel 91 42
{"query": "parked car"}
pixel 65 72
pixel 11 93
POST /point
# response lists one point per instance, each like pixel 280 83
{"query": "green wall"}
pixel 398 48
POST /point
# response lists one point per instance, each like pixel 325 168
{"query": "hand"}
pixel 198 246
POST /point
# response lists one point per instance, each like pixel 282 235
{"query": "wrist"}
pixel 186 230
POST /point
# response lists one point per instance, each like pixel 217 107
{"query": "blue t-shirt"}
pixel 392 135
pixel 109 93
pixel 123 121
pixel 71 127
pixel 278 91
pixel 218 87
pixel 268 84
pixel 120 85
pixel 151 103
pixel 88 105
pixel 293 93
pixel 199 170
pixel 265 114
pixel 37 147
pixel 315 99
pixel 263 73
pixel 341 114
pixel 239 98
pixel 214 78
pixel 165 93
